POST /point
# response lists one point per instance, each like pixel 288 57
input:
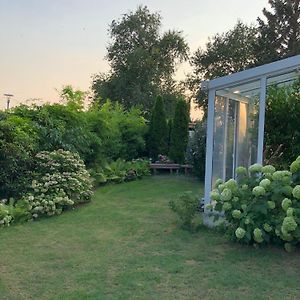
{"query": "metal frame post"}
pixel 261 120
pixel 209 146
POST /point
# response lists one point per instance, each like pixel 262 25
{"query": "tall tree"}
pixel 157 140
pixel 142 60
pixel 179 133
pixel 225 53
pixel 279 34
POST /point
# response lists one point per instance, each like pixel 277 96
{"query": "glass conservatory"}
pixel 236 116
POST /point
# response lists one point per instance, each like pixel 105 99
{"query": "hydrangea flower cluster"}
pixel 241 171
pixel 268 169
pixel 61 182
pixel 258 191
pixel 240 233
pixel 5 217
pixel 256 168
pixel 286 203
pixel 226 194
pixel 258 235
pixel 265 183
pixel 296 192
pixel 262 205
pixel 295 166
pixel 236 214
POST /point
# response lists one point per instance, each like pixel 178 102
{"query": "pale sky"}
pixel 46 44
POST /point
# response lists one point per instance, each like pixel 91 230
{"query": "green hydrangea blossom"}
pixel 236 214
pixel 245 187
pixel 257 235
pixel 289 224
pixel 296 192
pixel 231 184
pixel 247 221
pixel 258 191
pixel 214 195
pixel 241 171
pixel 287 190
pixel 235 199
pixel 218 182
pixel 282 176
pixel 226 206
pixel 268 169
pixel 244 207
pixel 221 187
pixel 271 204
pixel 265 183
pixel 240 233
pixel 295 166
pixel 277 232
pixel 267 227
pixel 286 236
pixel 286 203
pixel 289 247
pixel 290 212
pixel 255 168
pixel 226 194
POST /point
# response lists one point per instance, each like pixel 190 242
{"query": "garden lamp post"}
pixel 8 99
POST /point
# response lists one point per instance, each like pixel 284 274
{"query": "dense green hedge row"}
pixel 59 181
pixel 98 135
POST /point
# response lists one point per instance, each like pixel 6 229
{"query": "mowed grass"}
pixel 127 244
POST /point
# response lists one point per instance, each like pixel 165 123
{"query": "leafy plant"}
pixel 186 208
pixel 262 206
pixel 158 130
pixel 120 170
pixel 195 153
pixel 61 181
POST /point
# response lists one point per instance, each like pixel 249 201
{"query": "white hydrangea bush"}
pixel 5 215
pixel 61 181
pixel 262 205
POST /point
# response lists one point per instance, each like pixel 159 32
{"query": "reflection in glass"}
pixel 235 129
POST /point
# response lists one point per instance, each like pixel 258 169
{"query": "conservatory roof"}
pixel 288 68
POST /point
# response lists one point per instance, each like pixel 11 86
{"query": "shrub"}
pixel 195 154
pixel 120 170
pixel 262 206
pixel 280 130
pixel 5 216
pixel 61 181
pixel 18 142
pixel 186 208
pixel 179 132
pixel 157 142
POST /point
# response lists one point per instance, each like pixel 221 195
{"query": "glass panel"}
pixel 235 129
pixel 242 156
pixel 283 79
pixel 218 143
pixel 230 139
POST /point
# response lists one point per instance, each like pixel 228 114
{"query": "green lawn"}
pixel 126 244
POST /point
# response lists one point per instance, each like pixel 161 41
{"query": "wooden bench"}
pixel 171 167
pixel 187 168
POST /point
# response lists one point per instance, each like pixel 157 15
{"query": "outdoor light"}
pixel 8 99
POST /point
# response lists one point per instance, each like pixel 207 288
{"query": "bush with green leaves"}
pixel 18 143
pixel 5 215
pixel 186 208
pixel 262 206
pixel 195 154
pixel 120 170
pixel 179 133
pixel 61 181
